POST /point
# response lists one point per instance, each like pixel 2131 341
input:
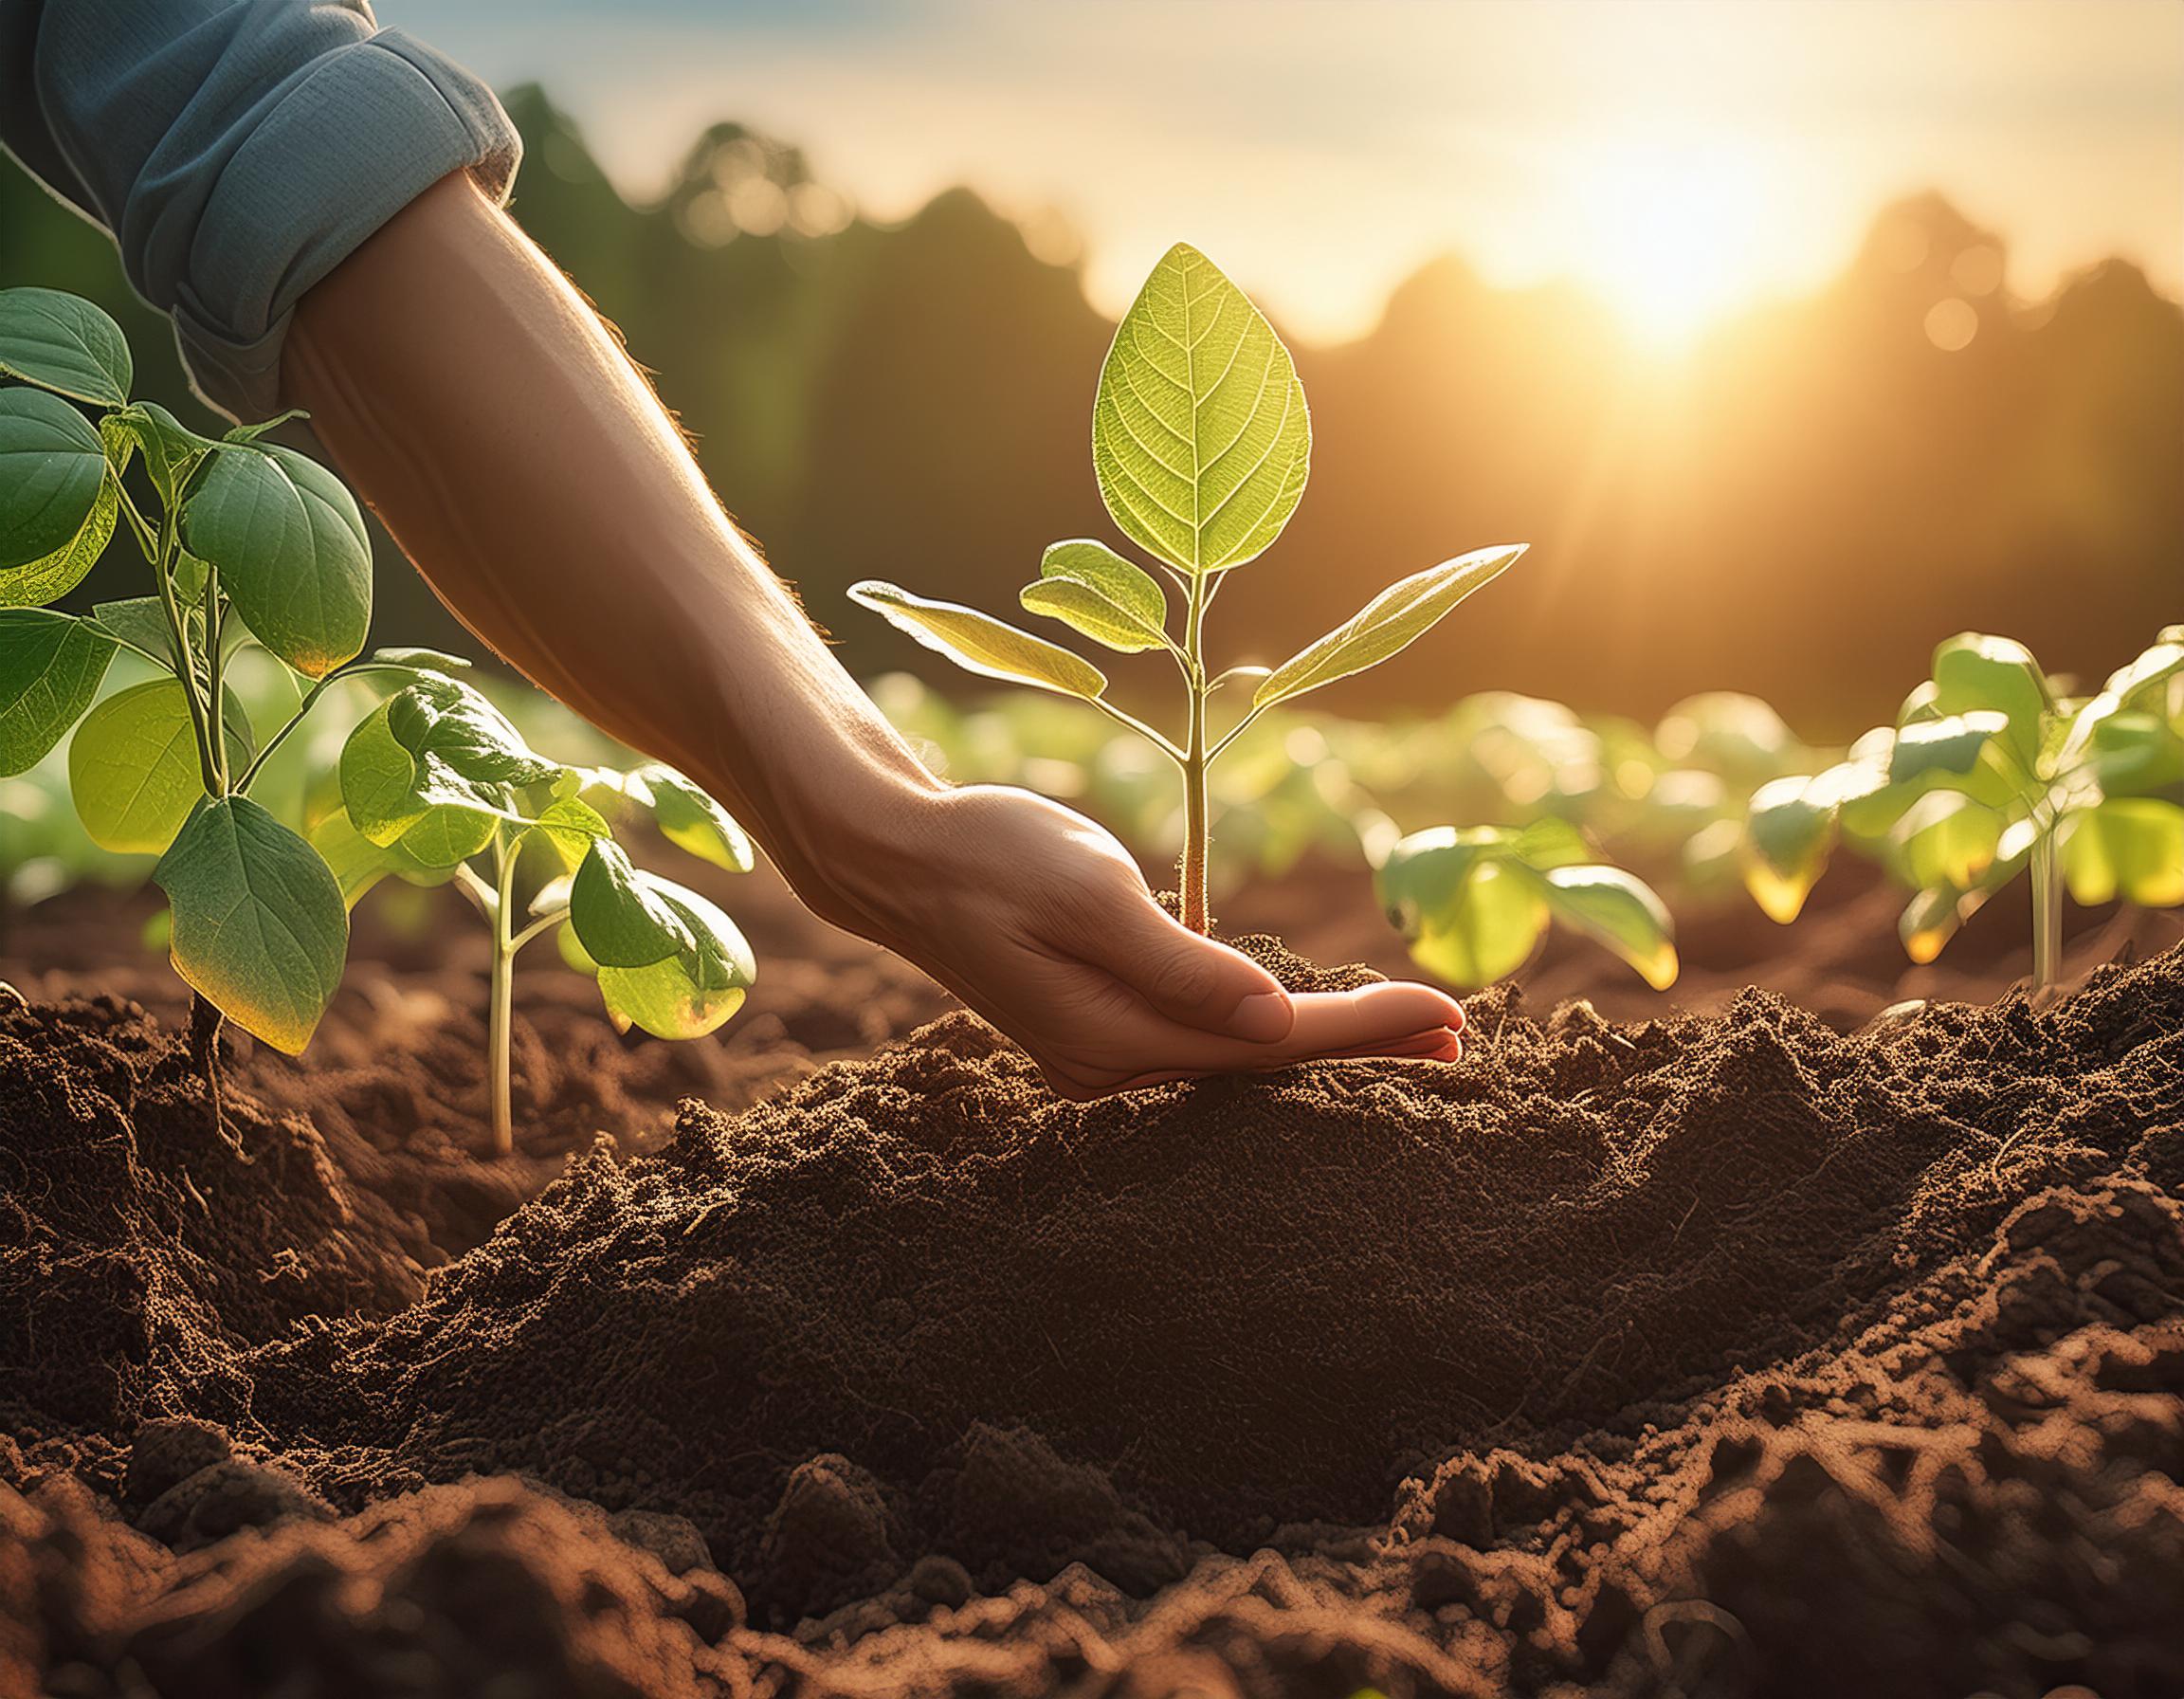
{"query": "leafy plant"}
pixel 436 785
pixel 1987 772
pixel 1201 443
pixel 246 542
pixel 1473 902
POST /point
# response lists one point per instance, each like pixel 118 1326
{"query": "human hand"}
pixel 1042 922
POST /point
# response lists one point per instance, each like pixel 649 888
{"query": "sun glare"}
pixel 1670 234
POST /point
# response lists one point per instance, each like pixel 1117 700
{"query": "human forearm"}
pixel 527 468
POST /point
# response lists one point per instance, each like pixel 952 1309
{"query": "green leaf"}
pixel 1973 672
pixel 681 997
pixel 979 643
pixel 620 914
pixel 2129 847
pixel 688 818
pixel 137 622
pixel 1958 752
pixel 2154 666
pixel 171 450
pixel 356 861
pixel 1200 436
pixel 1620 912
pixel 567 827
pixel 250 433
pixel 2134 751
pixel 260 929
pixel 1091 589
pixel 1946 841
pixel 425 660
pixel 291 549
pixel 50 667
pixel 1551 842
pixel 1391 622
pixel 1469 913
pixel 1789 828
pixel 53 474
pixel 435 743
pixel 442 840
pixel 1725 732
pixel 63 343
pixel 133 765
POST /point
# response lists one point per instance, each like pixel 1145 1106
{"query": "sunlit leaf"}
pixel 51 666
pixel 1469 915
pixel 1392 620
pixel 1973 672
pixel 64 343
pixel 52 477
pixel 357 863
pixel 171 450
pixel 2129 847
pixel 137 622
pixel 1200 435
pixel 1620 912
pixel 1725 732
pixel 1946 841
pixel 291 550
pixel 442 840
pixel 1091 589
pixel 134 768
pixel 566 826
pixel 260 929
pixel 682 996
pixel 979 643
pixel 1789 828
pixel 435 743
pixel 688 818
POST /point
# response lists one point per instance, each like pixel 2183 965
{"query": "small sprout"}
pixel 1201 443
pixel 1474 903
pixel 1988 773
pixel 437 778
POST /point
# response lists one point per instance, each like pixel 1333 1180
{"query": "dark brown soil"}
pixel 1717 1355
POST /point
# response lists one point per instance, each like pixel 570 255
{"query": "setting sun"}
pixel 1669 235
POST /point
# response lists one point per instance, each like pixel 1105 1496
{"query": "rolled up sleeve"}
pixel 239 149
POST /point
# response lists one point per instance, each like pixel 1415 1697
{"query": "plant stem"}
pixel 1194 759
pixel 2046 910
pixel 501 1005
pixel 214 666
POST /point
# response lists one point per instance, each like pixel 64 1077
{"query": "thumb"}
pixel 1187 977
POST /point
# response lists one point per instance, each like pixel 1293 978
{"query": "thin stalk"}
pixel 310 700
pixel 501 1005
pixel 216 664
pixel 178 632
pixel 2046 910
pixel 1195 756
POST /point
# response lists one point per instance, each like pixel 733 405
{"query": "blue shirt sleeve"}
pixel 238 151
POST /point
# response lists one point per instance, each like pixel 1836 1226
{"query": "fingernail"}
pixel 1262 1017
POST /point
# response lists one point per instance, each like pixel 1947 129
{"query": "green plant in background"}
pixel 246 542
pixel 1473 902
pixel 1201 444
pixel 1989 771
pixel 437 785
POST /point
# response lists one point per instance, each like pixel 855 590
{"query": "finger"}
pixel 1440 1045
pixel 1189 978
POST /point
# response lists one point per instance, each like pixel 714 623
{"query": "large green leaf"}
pixel 567 827
pixel 1469 913
pixel 979 643
pixel 683 996
pixel 1946 841
pixel 1392 620
pixel 52 473
pixel 1973 671
pixel 50 667
pixel 1091 589
pixel 356 861
pixel 442 840
pixel 2129 847
pixel 620 913
pixel 1200 436
pixel 260 929
pixel 139 622
pixel 133 765
pixel 291 550
pixel 63 343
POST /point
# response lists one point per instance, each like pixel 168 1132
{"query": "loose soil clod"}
pixel 1721 1355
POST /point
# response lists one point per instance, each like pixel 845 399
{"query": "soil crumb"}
pixel 1717 1355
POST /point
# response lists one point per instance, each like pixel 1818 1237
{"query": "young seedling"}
pixel 1201 445
pixel 246 541
pixel 437 785
pixel 1474 903
pixel 1987 773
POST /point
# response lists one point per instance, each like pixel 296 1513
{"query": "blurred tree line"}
pixel 1800 508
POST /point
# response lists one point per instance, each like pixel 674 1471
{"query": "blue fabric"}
pixel 238 151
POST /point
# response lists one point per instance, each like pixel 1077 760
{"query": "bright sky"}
pixel 1681 156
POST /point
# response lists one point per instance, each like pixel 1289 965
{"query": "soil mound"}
pixel 917 1305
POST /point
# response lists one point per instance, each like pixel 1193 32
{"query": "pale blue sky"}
pixel 1678 155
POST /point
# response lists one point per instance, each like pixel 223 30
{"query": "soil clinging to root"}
pixel 1723 1355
